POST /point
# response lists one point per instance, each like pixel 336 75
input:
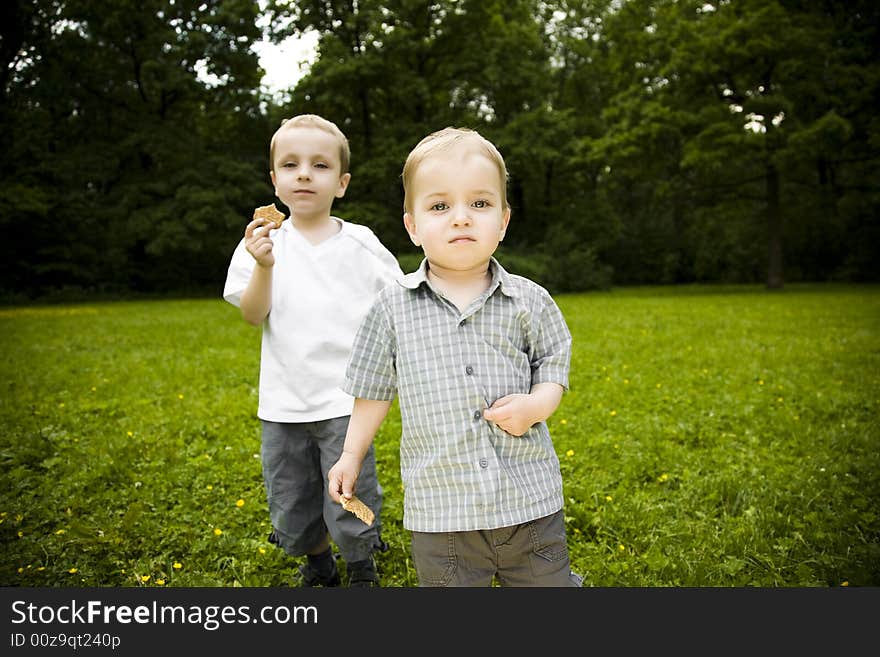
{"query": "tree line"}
pixel 648 141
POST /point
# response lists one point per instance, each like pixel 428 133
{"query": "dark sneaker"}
pixel 311 577
pixel 362 574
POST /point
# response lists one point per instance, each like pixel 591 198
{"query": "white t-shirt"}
pixel 320 295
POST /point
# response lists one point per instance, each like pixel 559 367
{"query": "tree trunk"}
pixel 774 230
pixel 364 97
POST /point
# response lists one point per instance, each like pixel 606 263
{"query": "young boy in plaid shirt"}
pixel 479 359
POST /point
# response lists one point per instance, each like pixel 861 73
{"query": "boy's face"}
pixel 457 216
pixel 307 172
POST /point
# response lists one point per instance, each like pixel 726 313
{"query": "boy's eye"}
pixel 289 165
pixel 321 165
pixel 439 206
pixel 481 204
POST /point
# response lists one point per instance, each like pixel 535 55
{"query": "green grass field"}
pixel 711 437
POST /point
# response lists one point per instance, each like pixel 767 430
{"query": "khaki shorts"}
pixel 531 554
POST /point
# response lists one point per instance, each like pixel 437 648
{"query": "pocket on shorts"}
pixel 434 557
pixel 549 549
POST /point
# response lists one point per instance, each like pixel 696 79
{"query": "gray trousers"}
pixel 531 554
pixel 296 458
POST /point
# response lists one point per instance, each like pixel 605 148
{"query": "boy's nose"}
pixel 461 217
pixel 303 174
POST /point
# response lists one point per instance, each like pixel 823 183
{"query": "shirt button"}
pixel 478 415
pixel 484 463
pixel 468 370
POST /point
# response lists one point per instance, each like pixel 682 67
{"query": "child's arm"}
pixel 517 413
pixel 256 300
pixel 366 418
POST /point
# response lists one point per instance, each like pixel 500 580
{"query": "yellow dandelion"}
pixel 239 503
pixel 20 570
pixel 210 487
pixel 760 382
pixel 844 583
pixel 577 531
pixel 779 399
pixel 626 381
pixel 563 421
pixel 60 531
pixel 608 498
pixel 145 578
pixel 621 547
pixel 160 582
pixel 177 565
pixel 180 396
pixel 130 434
pixel 613 413
pixel 261 550
pixel 61 405
pixel 20 533
pixel 41 568
pixel 94 388
pixel 73 570
pixel 663 477
pixel 659 385
pixel 570 452
pixel 217 531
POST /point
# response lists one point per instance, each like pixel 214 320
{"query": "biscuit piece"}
pixel 358 508
pixel 269 212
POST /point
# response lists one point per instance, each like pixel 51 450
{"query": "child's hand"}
pixel 258 243
pixel 342 477
pixel 514 414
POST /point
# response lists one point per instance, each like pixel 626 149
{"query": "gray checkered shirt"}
pixel 461 472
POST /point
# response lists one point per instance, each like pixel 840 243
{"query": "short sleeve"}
pixel 371 371
pixel 552 349
pixel 241 266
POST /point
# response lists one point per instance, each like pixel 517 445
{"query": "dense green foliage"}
pixel 711 437
pixel 648 141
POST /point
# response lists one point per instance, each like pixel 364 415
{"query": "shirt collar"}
pixel 287 224
pixel 500 278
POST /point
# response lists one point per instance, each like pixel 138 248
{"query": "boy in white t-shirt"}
pixel 309 284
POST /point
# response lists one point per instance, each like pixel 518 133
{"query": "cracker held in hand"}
pixel 270 213
pixel 359 509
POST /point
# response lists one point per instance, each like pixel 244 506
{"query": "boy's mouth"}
pixel 462 239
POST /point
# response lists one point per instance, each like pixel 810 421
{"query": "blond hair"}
pixel 445 140
pixel 314 121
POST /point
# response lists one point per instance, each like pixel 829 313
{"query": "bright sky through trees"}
pixel 287 62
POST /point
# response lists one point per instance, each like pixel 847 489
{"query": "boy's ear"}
pixel 410 223
pixel 272 177
pixel 343 184
pixel 505 219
